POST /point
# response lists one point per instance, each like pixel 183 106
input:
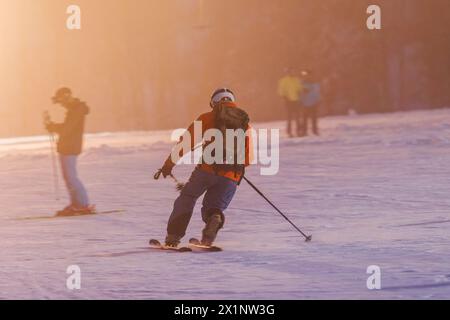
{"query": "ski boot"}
pixel 172 241
pixel 214 223
pixel 71 211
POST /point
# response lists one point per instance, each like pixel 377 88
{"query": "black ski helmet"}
pixel 222 94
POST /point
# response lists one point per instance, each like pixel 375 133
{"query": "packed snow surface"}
pixel 372 190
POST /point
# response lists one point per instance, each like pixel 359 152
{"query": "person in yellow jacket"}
pixel 290 89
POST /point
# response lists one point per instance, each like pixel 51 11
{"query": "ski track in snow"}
pixel 373 190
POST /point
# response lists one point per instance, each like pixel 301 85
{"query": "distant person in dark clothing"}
pixel 70 144
pixel 290 88
pixel 310 100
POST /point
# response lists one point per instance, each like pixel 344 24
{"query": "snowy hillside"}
pixel 373 190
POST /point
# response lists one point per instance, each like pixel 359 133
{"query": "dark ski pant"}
pixel 219 193
pixel 293 115
pixel 310 113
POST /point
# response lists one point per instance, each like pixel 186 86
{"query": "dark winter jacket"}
pixel 71 131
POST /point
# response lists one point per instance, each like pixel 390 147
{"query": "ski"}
pixel 72 216
pixel 155 244
pixel 196 245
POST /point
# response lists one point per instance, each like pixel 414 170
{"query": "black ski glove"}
pixel 167 168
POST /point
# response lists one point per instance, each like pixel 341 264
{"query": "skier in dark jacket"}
pixel 70 144
pixel 218 182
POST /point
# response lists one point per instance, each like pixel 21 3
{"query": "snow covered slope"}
pixel 373 190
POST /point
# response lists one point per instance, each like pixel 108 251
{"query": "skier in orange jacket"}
pixel 218 181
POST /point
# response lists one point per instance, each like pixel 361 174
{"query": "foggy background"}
pixel 153 64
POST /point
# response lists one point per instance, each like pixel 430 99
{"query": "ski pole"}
pixel 46 116
pixel 308 238
pixel 180 185
pixel 54 166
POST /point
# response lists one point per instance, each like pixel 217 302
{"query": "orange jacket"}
pixel 208 122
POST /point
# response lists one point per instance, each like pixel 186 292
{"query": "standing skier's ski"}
pixel 196 245
pixel 69 216
pixel 155 244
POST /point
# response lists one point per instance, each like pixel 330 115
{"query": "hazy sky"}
pixel 144 64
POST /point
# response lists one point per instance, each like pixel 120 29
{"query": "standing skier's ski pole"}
pixel 308 238
pixel 55 166
pixel 53 155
